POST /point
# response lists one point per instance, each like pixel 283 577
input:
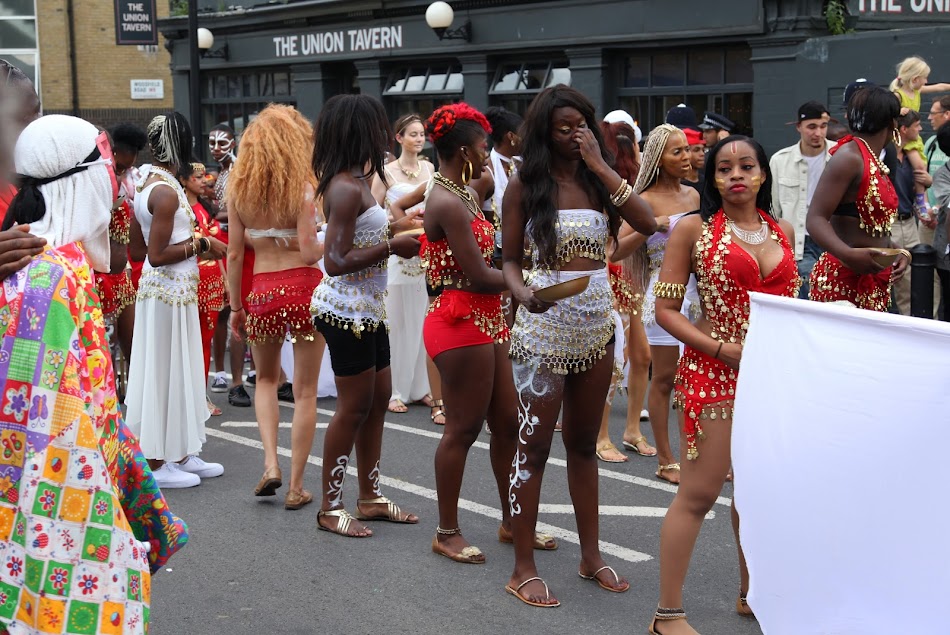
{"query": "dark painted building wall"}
pixel 755 60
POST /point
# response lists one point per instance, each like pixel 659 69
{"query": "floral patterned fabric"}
pixel 82 522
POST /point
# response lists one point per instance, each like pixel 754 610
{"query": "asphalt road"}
pixel 252 567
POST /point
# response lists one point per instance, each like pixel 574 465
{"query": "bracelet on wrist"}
pixel 718 350
pixel 233 310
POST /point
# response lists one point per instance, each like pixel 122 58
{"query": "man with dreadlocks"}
pixel 166 394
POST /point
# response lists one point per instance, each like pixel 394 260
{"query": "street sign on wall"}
pixel 147 88
pixel 135 22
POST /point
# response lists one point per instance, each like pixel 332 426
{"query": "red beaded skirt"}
pixel 704 389
pixel 210 293
pixel 832 281
pixel 462 318
pixel 279 303
pixel 116 292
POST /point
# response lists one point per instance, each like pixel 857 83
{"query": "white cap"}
pixel 622 116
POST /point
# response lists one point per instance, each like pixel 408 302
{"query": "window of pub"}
pixel 235 98
pixel 421 89
pixel 516 84
pixel 715 79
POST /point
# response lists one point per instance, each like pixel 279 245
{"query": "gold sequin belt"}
pixel 176 288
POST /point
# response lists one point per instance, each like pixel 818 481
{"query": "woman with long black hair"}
pixel 733 247
pixel 566 200
pixel 351 137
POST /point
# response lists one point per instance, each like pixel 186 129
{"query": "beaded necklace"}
pixel 462 193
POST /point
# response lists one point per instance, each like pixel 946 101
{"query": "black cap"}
pixel 812 110
pixel 854 87
pixel 682 117
pixel 715 121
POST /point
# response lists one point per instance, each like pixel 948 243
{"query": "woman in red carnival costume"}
pixel 733 247
pixel 854 206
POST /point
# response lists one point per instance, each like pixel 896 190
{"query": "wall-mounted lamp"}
pixel 439 17
pixel 206 41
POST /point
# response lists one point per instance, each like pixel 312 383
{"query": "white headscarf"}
pixel 79 206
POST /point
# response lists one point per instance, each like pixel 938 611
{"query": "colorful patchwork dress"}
pixel 82 522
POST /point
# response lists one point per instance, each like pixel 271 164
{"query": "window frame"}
pixel 35 52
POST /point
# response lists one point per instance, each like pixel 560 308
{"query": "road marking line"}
pixel 284 425
pixel 614 510
pixel 617 476
pixel 564 534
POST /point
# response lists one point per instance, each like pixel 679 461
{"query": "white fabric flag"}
pixel 841 419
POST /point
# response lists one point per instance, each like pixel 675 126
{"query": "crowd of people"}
pixel 542 262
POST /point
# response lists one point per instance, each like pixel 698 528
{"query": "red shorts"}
pixel 115 291
pixel 279 303
pixel 832 281
pixel 460 318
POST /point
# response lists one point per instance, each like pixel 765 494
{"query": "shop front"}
pixel 752 60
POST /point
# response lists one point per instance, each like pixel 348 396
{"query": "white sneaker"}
pixel 168 476
pixel 219 383
pixel 194 465
pixel 644 415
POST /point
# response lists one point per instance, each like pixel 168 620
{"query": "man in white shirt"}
pixel 796 171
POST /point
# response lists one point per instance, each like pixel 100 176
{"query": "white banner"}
pixel 841 424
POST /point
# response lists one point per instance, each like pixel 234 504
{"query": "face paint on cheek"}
pixel 756 184
pixel 720 184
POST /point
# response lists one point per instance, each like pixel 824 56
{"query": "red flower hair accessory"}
pixel 444 119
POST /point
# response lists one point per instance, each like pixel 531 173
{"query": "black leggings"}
pixel 351 355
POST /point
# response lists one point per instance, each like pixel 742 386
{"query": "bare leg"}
pixel 503 421
pixel 237 362
pixel 265 399
pixel 369 446
pixel 467 377
pixel 435 387
pixel 658 403
pixel 219 344
pixel 582 393
pixel 638 354
pixel 124 324
pixel 307 359
pixel 539 393
pixel 701 484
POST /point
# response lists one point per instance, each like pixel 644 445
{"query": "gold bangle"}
pixel 618 201
pixel 669 290
pixel 623 185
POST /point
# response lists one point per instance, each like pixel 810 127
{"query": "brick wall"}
pixel 103 68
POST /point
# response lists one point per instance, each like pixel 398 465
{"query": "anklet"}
pixel 670 614
pixel 447 532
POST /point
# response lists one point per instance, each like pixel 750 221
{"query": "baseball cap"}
pixel 682 117
pixel 854 87
pixel 812 110
pixel 622 116
pixel 715 121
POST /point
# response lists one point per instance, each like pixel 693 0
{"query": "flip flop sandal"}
pixel 393 513
pixel 397 406
pixel 344 520
pixel 547 594
pixel 632 446
pixel 604 449
pixel 439 407
pixel 541 541
pixel 604 586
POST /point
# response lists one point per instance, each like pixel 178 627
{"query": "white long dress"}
pixel 167 407
pixel 406 305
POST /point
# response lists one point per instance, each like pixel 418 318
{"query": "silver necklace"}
pixel 756 237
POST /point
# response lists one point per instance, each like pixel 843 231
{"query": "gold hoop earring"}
pixel 896 136
pixel 467 172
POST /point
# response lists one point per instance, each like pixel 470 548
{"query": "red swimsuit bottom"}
pixel 831 281
pixel 116 292
pixel 462 318
pixel 279 303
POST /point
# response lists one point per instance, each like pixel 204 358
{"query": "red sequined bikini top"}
pixel 877 199
pixel 726 273
pixel 121 223
pixel 440 265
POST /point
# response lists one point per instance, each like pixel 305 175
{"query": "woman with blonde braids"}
pixel 271 205
pixel 665 163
